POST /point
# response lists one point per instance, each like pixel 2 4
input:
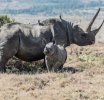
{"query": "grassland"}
pixel 82 78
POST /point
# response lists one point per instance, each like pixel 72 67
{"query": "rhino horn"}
pixel 92 21
pixel 96 30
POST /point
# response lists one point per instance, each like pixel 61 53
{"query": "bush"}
pixel 5 19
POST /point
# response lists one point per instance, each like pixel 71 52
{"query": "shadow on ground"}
pixel 26 70
pixel 17 66
pixel 71 69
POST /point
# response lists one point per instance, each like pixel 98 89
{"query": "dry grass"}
pixel 80 79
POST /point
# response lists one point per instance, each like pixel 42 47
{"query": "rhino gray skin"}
pixel 55 55
pixel 25 41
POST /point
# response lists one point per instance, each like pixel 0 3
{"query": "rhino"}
pixel 55 55
pixel 24 41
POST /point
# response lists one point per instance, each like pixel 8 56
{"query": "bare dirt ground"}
pixel 82 78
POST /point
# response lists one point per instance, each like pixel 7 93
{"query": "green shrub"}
pixel 5 19
pixel 87 58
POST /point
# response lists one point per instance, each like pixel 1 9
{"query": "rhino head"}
pixel 87 37
pixel 49 47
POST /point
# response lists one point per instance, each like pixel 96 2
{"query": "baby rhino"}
pixel 55 55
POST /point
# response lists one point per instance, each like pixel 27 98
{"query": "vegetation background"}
pixel 48 7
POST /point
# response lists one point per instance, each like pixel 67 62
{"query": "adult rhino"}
pixel 25 41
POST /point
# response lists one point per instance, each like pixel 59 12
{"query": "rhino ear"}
pixel 54 41
pixel 77 24
pixel 44 41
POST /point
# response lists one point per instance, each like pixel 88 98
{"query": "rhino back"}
pixel 31 47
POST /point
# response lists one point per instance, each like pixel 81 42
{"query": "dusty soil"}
pixel 82 78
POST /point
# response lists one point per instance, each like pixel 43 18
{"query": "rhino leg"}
pixel 48 65
pixel 8 48
pixel 44 66
pixel 57 66
pixel 2 65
